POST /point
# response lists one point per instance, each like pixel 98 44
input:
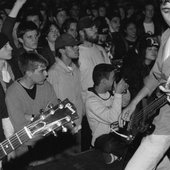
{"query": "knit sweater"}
pixel 21 106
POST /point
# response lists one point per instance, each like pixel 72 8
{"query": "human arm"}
pixel 10 21
pixel 53 79
pixel 103 111
pixel 16 8
pixel 127 112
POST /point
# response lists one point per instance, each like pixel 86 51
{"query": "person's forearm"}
pixel 142 93
pixel 16 8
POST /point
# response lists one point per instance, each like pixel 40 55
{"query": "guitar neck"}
pixel 153 106
pixel 12 143
pixel 147 112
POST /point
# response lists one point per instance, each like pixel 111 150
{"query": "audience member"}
pixel 91 54
pixel 27 34
pixel 149 24
pixel 64 76
pixel 70 27
pixel 6 78
pixel 47 40
pixel 26 97
pixel 60 17
pixel 104 102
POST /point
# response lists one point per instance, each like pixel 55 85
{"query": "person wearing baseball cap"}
pixel 64 76
pixel 65 40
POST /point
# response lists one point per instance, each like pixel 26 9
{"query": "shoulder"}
pixel 13 87
pixel 90 97
pixel 47 85
pixel 166 33
pixel 14 90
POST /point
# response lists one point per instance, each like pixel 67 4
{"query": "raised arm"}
pixel 9 23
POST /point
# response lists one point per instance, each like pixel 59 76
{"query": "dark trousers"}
pixel 110 143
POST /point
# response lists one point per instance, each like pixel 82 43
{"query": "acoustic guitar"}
pixel 49 121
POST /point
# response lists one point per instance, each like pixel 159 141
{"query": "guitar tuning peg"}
pixel 73 124
pixel 50 106
pixel 54 133
pixel 64 129
pixel 61 106
pixel 41 111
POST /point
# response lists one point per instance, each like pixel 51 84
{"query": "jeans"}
pixel 149 154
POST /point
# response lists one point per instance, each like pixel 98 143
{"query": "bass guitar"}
pixel 140 121
pixel 53 119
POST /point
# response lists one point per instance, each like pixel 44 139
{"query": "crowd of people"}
pixel 99 55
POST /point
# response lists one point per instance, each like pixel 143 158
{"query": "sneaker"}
pixel 109 158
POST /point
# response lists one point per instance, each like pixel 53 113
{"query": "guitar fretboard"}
pixel 146 113
pixel 12 143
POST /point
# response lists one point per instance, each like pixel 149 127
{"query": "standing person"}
pixel 27 96
pixel 27 34
pixel 153 147
pixel 70 27
pixel 103 109
pixel 149 24
pixel 47 40
pixel 64 75
pixel 6 78
pixel 91 54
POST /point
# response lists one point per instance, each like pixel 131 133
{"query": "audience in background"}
pixel 106 32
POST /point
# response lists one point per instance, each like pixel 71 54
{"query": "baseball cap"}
pixel 65 40
pixel 3 40
pixel 85 22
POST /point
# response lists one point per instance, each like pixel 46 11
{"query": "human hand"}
pixel 11 155
pixel 121 87
pixel 126 114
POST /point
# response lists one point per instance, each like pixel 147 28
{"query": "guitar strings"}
pixel 21 136
pixel 152 106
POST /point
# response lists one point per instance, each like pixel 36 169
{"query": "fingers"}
pixel 124 117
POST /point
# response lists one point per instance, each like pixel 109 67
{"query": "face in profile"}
pixel 39 75
pixel 5 52
pixel 165 10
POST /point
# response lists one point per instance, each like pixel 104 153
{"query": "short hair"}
pixel 24 27
pixel 67 23
pixel 29 61
pixel 32 12
pixel 47 27
pixel 102 71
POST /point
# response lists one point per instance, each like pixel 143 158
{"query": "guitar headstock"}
pixel 53 119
